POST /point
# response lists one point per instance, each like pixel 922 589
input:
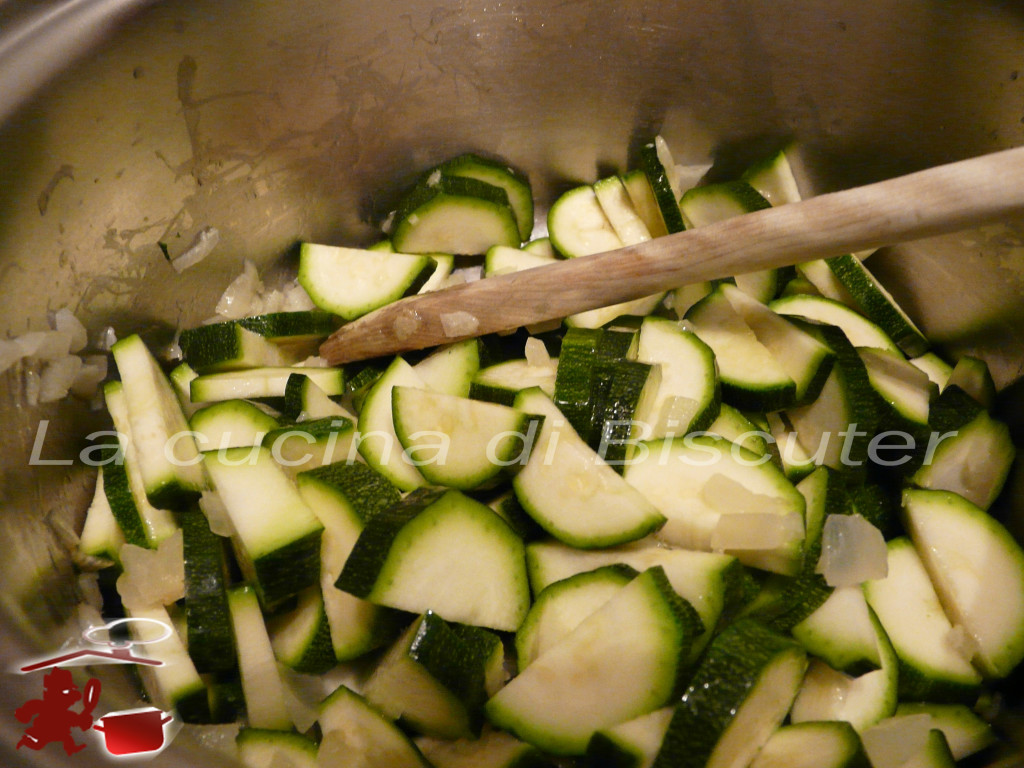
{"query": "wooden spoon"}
pixel 936 201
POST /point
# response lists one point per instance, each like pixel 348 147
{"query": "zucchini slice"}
pixel 261 682
pixel 165 453
pixel 441 551
pixel 738 696
pixel 458 442
pixel 450 369
pixel 620 662
pixel 773 179
pixel 515 184
pixel 277 536
pixel 619 209
pixel 211 640
pixel 101 535
pixel 357 733
pixel 301 638
pixel 231 424
pixel 719 496
pixel 860 331
pixel 437 676
pixel 494 749
pixel 878 304
pixel 502 382
pixel 454 214
pixel 813 745
pixel 571 493
pixel 659 170
pixel 632 744
pixel 969 553
pixel 578 226
pixel 931 669
pixel 966 733
pixel 264 747
pixel 642 197
pixel 350 282
pixel 261 383
pixel 503 260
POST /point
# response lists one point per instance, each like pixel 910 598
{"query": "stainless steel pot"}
pixel 128 123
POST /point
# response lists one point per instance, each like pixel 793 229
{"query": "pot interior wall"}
pixel 276 122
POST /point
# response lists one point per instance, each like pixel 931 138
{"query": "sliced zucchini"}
pixel 458 442
pixel 515 184
pixel 141 522
pixel 813 745
pixel 450 369
pixel 642 197
pixel 231 424
pixel 503 260
pixel 968 452
pixel 578 226
pixel 261 383
pixel 597 318
pixel 313 443
pixel 719 496
pixel 165 453
pixel 494 749
pixel 174 684
pixel 750 376
pixel 907 741
pixel 357 733
pixel 827 694
pixel 562 606
pixel 737 428
pixel 968 553
pixel 304 401
pixel 444 552
pixel 805 359
pixel 542 247
pixel 966 733
pixel 301 638
pixel 277 536
pixel 101 535
pixel 623 394
pixel 878 304
pixel 181 380
pixel 931 668
pixel 714 584
pixel 688 398
pixel 437 676
pixel 712 203
pixel 350 282
pixel 632 744
pixel 737 697
pixel 229 347
pixel 860 331
pixel 211 640
pixel 570 492
pixel 263 748
pixel 620 662
pixel 581 351
pixel 842 632
pixel 659 169
pixel 444 264
pixel 454 214
pixel 934 367
pixel 971 374
pixel 502 382
pixel 773 179
pixel 377 441
pixel 619 209
pixel 344 496
pixel 261 682
pixel 905 387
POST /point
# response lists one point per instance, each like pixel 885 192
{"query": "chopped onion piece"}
pixel 455 278
pixel 216 514
pixel 315 361
pixel 295 298
pixel 64 320
pixel 30 386
pixel 57 377
pixel 537 354
pixel 756 530
pixel 153 576
pixel 10 353
pixel 202 246
pixel 44 345
pixel 852 551
pixel 302 696
pixel 541 327
pixel 459 323
pixel 240 295
pixel 893 741
pixel 725 495
pixel 690 175
pixel 407 323
pixel 106 339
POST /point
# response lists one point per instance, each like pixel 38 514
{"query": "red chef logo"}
pixel 53 718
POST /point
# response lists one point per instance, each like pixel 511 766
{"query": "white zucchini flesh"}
pixel 450 369
pixel 377 440
pixel 909 610
pixel 176 677
pixel 841 631
pixel 977 568
pixel 578 226
pixel 639 738
pixel 966 732
pixel 827 694
pixel 620 662
pixel 904 386
pixel 357 734
pixel 717 495
pixel 570 492
pixel 860 331
pixel 812 745
pixel 688 375
pixel 261 682
pixel 622 214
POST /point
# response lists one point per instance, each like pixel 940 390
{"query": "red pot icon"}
pixel 129 733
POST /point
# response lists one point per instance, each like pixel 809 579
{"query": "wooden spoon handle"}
pixel 936 201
